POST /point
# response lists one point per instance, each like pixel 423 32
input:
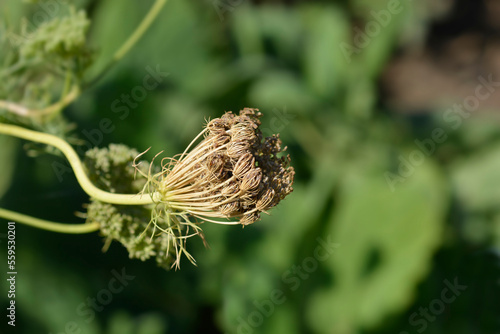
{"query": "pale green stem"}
pixel 24 111
pixel 132 40
pixel 141 29
pixel 48 225
pixel 78 169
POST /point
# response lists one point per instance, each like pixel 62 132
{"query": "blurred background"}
pixel 389 110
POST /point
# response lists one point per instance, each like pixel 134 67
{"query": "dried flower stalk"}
pixel 230 177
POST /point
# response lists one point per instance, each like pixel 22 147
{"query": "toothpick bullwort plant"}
pixel 233 174
pixel 229 174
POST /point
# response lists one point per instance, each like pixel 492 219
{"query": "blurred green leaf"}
pixel 373 58
pixel 399 231
pixel 278 89
pixel 246 28
pixel 477 180
pixel 152 323
pixel 54 297
pixel 254 277
pixel 496 232
pixel 121 323
pixel 8 147
pixel 284 320
pixel 324 66
pixel 112 24
pixel 283 28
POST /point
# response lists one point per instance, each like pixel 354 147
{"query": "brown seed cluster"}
pixel 232 173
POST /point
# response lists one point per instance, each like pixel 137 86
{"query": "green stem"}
pixel 48 225
pixel 78 169
pixel 141 29
pixel 132 40
pixel 58 106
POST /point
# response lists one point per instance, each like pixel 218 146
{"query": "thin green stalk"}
pixel 56 107
pixel 48 225
pixel 141 29
pixel 78 169
pixel 132 40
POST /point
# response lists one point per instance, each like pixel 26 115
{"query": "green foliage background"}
pixel 395 249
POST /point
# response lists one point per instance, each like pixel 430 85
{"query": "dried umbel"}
pixel 230 177
pixel 232 173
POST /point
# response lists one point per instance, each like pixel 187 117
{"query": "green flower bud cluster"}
pixel 58 39
pixel 42 68
pixel 113 169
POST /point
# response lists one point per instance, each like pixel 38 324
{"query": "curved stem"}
pixel 132 40
pixel 48 225
pixel 24 111
pixel 76 164
pixel 141 29
pixel 14 108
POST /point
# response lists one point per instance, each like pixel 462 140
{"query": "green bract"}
pixel 112 170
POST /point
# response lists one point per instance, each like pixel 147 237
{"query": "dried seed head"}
pixel 251 180
pixel 249 218
pixel 230 208
pixel 215 165
pixel 233 172
pixel 266 200
pixel 217 126
pixel 228 117
pixel 232 188
pixel 220 140
pixel 243 132
pixel 236 149
pixel 244 164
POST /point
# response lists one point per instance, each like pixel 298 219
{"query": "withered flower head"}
pixel 230 177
